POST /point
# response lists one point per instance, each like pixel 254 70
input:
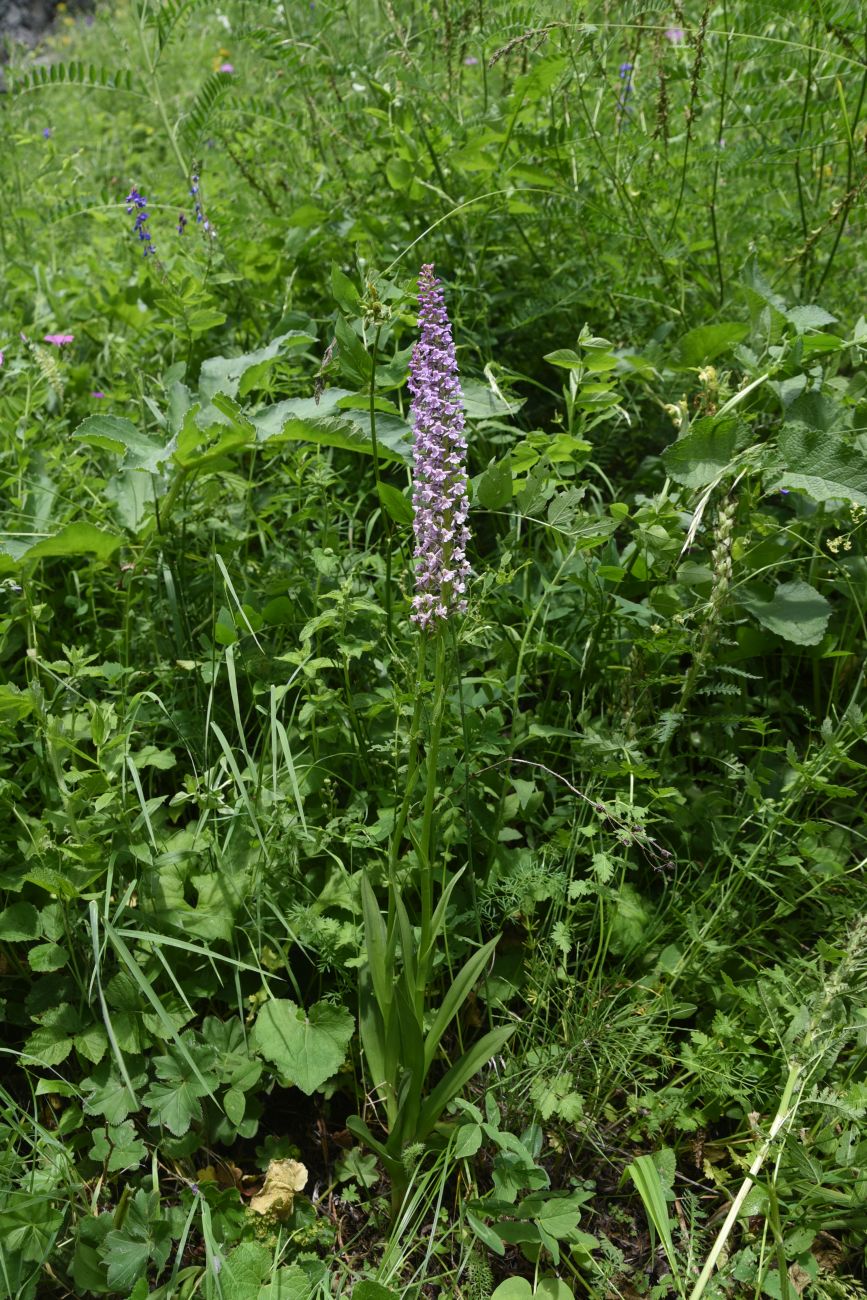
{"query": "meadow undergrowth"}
pixel 433 446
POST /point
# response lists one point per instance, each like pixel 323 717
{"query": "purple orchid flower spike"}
pixel 439 500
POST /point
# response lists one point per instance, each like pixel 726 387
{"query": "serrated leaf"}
pixel 118 1148
pixel 809 317
pixel 19 922
pixel 244 1271
pixel 822 465
pixel 306 1048
pixel 106 1094
pixel 175 1104
pixel 288 1284
pixel 705 451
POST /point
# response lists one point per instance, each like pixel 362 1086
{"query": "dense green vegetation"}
pixel 523 956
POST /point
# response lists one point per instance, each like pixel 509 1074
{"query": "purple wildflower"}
pixel 1 358
pixel 439 463
pixel 674 34
pixel 201 219
pixel 46 132
pixel 471 61
pixel 182 221
pixel 137 203
pixel 227 68
pixel 97 393
pixel 58 339
pixel 625 70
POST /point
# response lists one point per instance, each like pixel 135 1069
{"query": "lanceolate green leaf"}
pixel 460 1073
pixel 454 999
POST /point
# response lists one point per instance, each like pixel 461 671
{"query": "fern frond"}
pixel 200 113
pixel 76 73
pixel 171 13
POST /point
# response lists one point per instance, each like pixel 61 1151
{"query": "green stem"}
pixel 431 764
pixel 157 97
pixel 784 1112
pixel 389 529
pixel 411 765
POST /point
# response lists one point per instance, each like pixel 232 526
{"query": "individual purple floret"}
pixel 439 463
pixel 138 204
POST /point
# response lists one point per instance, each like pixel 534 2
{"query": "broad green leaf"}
pixel 514 1288
pixel 244 1271
pixel 492 490
pixel 74 539
pixel 302 420
pixel 468 1140
pixel 234 1104
pixel 144 1239
pixel 370 1290
pixel 554 1288
pixel 705 451
pixel 708 342
pixel 822 465
pixel 796 611
pixel 483 402
pixel 52 1042
pixel 19 922
pixel 808 317
pixel 233 375
pixel 307 1048
pixel 118 1148
pixel 121 437
pixel 287 1284
pixel 559 1215
pixel 47 957
pixel 344 292
pixel 15 704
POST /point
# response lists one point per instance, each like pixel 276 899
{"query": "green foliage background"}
pixel 648 219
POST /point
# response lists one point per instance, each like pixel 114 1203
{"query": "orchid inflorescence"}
pixel 439 463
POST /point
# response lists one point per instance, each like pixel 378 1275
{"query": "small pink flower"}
pixel 58 339
pixel 97 393
pixel 674 34
pixel 226 67
pixel 1 358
